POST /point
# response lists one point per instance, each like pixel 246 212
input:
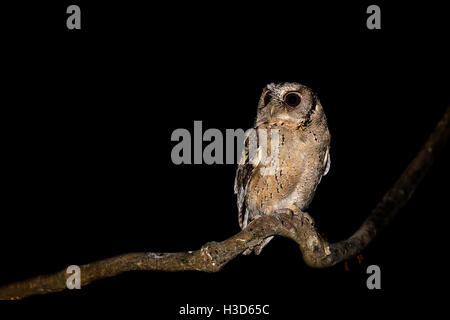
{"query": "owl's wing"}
pixel 326 166
pixel 244 172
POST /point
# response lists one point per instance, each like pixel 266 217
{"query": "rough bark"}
pixel 316 251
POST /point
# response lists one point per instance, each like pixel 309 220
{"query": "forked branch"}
pixel 316 251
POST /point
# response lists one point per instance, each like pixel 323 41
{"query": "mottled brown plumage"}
pixel 285 157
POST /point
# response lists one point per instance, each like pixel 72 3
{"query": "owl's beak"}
pixel 272 109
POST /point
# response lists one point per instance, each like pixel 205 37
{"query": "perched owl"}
pixel 285 158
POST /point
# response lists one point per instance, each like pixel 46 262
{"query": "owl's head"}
pixel 289 102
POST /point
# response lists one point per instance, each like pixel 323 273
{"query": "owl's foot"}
pixel 285 211
pixel 292 210
pixel 305 217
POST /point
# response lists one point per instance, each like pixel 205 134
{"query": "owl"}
pixel 285 155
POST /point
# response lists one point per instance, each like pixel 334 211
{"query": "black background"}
pixel 87 117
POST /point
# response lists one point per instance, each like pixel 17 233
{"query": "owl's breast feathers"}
pixel 283 178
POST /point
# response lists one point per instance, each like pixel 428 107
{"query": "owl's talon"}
pixel 306 217
pixel 285 211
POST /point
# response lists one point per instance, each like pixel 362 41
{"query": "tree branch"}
pixel 316 251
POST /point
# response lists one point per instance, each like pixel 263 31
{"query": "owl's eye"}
pixel 292 99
